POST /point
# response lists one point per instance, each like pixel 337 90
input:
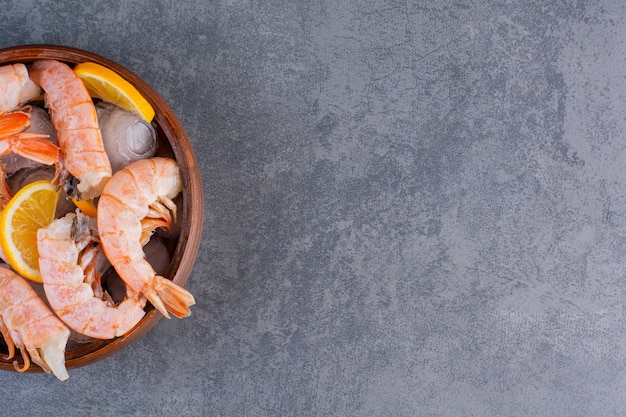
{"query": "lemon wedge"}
pixel 107 85
pixel 30 209
pixel 86 206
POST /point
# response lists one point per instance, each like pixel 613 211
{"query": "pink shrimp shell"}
pixel 34 329
pixel 126 200
pixel 74 117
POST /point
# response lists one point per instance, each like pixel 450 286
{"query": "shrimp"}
pixel 135 201
pixel 26 322
pixel 67 264
pixel 74 118
pixel 26 144
pixel 16 87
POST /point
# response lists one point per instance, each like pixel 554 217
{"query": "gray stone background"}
pixel 413 208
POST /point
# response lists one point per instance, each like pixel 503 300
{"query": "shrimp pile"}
pixel 131 205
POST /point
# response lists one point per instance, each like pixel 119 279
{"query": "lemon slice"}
pixel 30 209
pixel 86 206
pixel 107 85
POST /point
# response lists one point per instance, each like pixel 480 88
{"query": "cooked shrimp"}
pixel 26 144
pixel 16 87
pixel 26 322
pixel 67 264
pixel 74 117
pixel 137 199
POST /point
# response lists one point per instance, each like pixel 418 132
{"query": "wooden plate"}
pixel 174 143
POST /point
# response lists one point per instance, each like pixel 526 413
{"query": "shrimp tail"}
pixel 49 354
pixel 53 354
pixel 167 296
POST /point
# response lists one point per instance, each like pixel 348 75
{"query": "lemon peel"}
pixel 30 209
pixel 105 84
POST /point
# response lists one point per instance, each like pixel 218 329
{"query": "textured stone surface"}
pixel 413 208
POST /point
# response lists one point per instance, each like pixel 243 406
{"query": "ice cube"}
pixel 126 137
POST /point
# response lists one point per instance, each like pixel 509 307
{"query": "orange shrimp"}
pixel 66 262
pixel 26 322
pixel 16 87
pixel 74 117
pixel 135 201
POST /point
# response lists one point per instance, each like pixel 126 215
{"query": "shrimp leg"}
pixel 26 144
